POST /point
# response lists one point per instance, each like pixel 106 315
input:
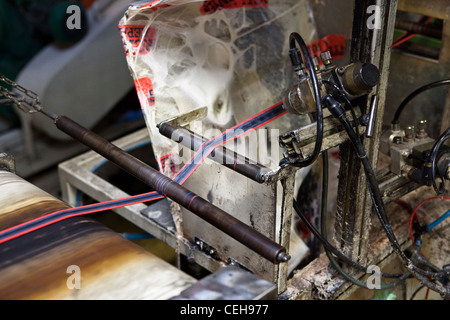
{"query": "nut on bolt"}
pixel 326 58
pixel 409 133
pixel 421 129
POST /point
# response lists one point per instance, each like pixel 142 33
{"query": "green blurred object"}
pixel 420 39
pixel 26 27
pixel 384 295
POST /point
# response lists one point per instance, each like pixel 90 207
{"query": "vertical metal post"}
pixel 285 221
pixel 354 203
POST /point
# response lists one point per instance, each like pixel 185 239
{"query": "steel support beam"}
pixel 354 202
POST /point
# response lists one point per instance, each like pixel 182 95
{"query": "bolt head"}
pixel 422 125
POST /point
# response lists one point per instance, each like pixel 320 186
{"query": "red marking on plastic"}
pixel 154 5
pixel 140 37
pixel 212 6
pixel 144 89
pixel 162 161
pixel 334 43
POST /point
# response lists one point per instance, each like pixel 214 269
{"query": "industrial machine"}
pixel 262 125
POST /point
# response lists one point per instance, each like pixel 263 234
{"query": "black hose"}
pixel 347 102
pixel 378 203
pixel 323 226
pixel 433 159
pixel 322 238
pixel 293 39
pixel 414 94
pixel 416 292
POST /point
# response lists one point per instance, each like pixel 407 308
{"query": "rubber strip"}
pixel 240 129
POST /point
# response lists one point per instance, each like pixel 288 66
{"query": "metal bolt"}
pixel 409 133
pixel 422 125
pixel 316 64
pixel 326 57
pixel 421 129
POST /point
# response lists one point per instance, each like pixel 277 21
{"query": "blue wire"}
pixel 439 220
pixel 252 123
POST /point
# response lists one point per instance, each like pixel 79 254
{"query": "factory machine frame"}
pixel 76 174
pixel 354 208
pixel 365 83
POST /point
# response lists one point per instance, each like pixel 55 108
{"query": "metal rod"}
pixel 221 155
pixel 372 117
pixel 233 227
pixel 414 27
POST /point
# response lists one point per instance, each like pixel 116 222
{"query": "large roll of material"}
pixel 77 258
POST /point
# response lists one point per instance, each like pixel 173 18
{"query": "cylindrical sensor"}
pixel 299 100
pixel 358 78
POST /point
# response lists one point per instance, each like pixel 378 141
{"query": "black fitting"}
pixel 296 59
pixel 334 107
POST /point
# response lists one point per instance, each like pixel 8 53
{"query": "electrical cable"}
pixel 293 39
pixel 322 238
pixel 414 213
pixel 403 39
pixel 323 225
pixel 414 94
pixel 433 159
pixel 416 238
pixel 374 191
pixel 347 102
pixel 408 35
pixel 331 248
pixel 417 291
pixel 439 220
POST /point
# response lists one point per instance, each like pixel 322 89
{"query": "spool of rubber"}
pixel 77 258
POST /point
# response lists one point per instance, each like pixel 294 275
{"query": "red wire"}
pixel 413 214
pixel 403 40
pixel 121 205
pixel 399 40
pixel 405 205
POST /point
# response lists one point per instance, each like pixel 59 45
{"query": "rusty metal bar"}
pixel 166 186
pixel 221 155
pixel 414 27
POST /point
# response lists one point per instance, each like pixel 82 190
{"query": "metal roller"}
pixel 45 264
pixel 233 227
pixel 221 155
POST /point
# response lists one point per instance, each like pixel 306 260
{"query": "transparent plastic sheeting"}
pixel 228 56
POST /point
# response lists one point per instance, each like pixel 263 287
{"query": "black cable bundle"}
pixel 433 160
pixel 423 275
pixel 294 39
pixel 426 277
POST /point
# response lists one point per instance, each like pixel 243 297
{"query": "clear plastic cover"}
pixel 228 56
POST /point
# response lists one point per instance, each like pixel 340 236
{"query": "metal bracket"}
pixel 206 248
pixel 186 118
